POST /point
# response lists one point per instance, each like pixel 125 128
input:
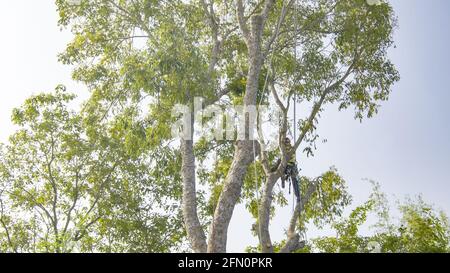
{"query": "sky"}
pixel 405 148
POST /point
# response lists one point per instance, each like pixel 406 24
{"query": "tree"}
pixel 151 55
pixel 420 229
pixel 67 184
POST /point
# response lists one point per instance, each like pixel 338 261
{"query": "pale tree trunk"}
pixel 272 177
pixel 243 156
pixel 264 214
pixel 228 198
pixel 194 229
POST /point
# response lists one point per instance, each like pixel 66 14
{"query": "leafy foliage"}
pixel 70 186
pixel 107 178
pixel 421 229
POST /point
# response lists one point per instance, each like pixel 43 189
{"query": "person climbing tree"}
pixel 291 171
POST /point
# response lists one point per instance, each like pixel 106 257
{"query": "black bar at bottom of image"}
pixel 227 262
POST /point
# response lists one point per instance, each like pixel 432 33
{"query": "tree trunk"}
pixel 195 233
pixel 229 197
pixel 244 150
pixel 264 214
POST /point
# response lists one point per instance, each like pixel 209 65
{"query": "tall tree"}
pixel 153 55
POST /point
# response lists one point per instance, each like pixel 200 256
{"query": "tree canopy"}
pixel 110 175
pixel 67 185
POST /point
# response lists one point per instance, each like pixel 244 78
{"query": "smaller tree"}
pixel 68 184
pixel 347 238
pixel 420 229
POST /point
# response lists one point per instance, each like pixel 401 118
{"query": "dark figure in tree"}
pixel 291 171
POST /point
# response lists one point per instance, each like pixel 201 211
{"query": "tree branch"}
pixel 293 242
pixel 276 33
pixel 5 227
pixel 242 20
pixel 318 105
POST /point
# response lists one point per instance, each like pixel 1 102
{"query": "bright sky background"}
pixel 405 148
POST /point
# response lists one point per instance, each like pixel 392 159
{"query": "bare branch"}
pixel 242 20
pixel 53 183
pixel 280 22
pixel 213 24
pixel 74 202
pixel 268 4
pixel 277 98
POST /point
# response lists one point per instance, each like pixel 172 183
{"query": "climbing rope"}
pixel 295 95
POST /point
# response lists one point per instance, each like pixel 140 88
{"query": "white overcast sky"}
pixel 406 148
